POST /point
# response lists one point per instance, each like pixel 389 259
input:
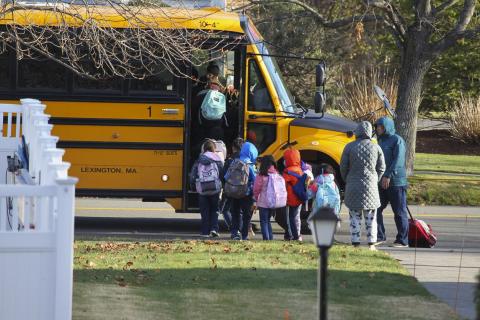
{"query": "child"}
pixel 324 190
pixel 225 202
pixel 291 175
pixel 239 179
pixel 206 176
pixel 268 175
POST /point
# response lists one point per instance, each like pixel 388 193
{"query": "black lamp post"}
pixel 323 224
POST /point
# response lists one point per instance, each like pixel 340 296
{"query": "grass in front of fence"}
pixel 241 280
pixel 444 190
pixel 447 163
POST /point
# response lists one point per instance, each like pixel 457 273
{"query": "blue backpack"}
pixel 300 187
pixel 327 195
pixel 214 105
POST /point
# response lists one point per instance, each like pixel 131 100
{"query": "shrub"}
pixel 358 99
pixel 465 120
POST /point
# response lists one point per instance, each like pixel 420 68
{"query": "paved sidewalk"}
pixel 448 274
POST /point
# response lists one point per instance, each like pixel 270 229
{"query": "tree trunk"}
pixel 415 64
pixel 408 101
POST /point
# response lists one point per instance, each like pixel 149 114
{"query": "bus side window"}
pixel 41 74
pixel 258 95
pixel 4 71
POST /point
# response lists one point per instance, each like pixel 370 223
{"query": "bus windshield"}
pixel 286 98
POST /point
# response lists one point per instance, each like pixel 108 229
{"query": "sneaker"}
pixel 398 245
pixel 236 238
pixel 372 247
pixel 378 243
pixel 300 239
pixel 214 234
pixel 204 236
pixel 356 245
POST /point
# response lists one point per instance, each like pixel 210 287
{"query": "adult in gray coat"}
pixel 362 165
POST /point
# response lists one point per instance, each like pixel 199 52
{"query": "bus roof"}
pixel 210 19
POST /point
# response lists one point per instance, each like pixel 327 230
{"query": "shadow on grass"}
pixel 343 285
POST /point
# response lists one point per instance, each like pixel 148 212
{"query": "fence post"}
pixel 64 245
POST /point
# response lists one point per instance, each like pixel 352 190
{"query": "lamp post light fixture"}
pixel 323 224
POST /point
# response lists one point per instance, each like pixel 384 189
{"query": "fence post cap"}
pixel 67 181
pixel 30 101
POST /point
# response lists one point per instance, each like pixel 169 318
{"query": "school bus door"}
pixel 260 110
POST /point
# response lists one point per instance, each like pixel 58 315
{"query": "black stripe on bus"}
pixel 119 145
pixel 116 122
pixel 132 193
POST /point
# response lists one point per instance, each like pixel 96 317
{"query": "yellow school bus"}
pixel 132 138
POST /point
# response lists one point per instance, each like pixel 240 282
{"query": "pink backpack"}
pixel 275 194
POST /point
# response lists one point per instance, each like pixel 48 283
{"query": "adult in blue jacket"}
pixel 393 185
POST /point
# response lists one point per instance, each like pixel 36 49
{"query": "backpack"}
pixel 236 185
pixel 220 148
pixel 300 187
pixel 276 192
pixel 327 196
pixel 208 179
pixel 213 106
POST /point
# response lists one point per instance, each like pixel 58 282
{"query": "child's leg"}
pixel 214 201
pixel 204 205
pixel 269 224
pixel 298 222
pixel 235 211
pixel 247 206
pixel 355 225
pixel 264 220
pixel 292 213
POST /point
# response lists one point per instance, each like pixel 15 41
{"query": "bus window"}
pixel 101 87
pixel 163 82
pixel 265 134
pixel 258 96
pixel 41 74
pixel 4 71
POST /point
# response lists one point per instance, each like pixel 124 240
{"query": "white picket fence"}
pixel 36 219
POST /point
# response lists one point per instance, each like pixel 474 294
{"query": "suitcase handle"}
pixel 410 214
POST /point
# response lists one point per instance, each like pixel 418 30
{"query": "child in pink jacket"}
pixel 268 167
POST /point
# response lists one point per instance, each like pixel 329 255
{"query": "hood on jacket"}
pixel 292 158
pixel 325 178
pixel 249 153
pixel 364 130
pixel 388 124
pixel 208 157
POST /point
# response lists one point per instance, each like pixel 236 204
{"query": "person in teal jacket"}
pixel 393 184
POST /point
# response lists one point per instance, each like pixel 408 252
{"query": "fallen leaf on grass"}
pixel 227 249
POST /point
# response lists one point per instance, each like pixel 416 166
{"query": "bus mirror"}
pixel 320 74
pixel 319 102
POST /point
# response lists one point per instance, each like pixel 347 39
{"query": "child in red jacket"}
pixel 294 204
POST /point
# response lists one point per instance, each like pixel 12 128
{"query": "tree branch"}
pixel 395 22
pixel 444 6
pixel 423 8
pixel 320 18
pixel 458 31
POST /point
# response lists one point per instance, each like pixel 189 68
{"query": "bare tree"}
pixel 99 40
pixel 420 35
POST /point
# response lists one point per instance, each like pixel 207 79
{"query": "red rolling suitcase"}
pixel 420 234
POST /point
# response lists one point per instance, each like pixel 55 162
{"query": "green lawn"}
pixel 444 190
pixel 447 163
pixel 241 280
